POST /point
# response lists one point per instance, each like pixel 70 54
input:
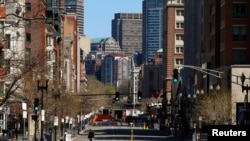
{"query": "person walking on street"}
pixel 91 135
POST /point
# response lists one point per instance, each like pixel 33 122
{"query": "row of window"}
pixel 179 22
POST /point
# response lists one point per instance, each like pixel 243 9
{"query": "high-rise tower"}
pixel 127 30
pixel 76 7
pixel 152 28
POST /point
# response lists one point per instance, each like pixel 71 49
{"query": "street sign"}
pixel 56 121
pixel 24 114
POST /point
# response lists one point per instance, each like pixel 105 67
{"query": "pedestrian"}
pixel 91 135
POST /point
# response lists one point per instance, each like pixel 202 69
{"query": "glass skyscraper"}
pixel 152 28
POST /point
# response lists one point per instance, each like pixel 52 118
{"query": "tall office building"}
pixel 152 28
pixel 127 30
pixel 76 7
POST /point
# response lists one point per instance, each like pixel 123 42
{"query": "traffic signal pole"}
pixel 206 71
pixel 35 117
pixel 176 79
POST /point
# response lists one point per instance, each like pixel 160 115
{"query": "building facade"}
pixel 76 7
pixel 173 50
pixel 127 31
pixel 221 44
pixel 152 39
pixel 115 69
pixel 151 76
pixel 105 45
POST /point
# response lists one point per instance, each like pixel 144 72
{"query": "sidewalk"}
pixel 78 135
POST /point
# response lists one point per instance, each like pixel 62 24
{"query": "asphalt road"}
pixel 123 133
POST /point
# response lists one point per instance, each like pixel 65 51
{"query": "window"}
pixel 81 54
pixel 239 56
pixel 180 1
pixel 239 33
pixel 179 37
pixel 179 13
pixel 67 50
pixel 49 40
pixel 179 49
pixel 28 51
pixel 27 6
pixel 1 26
pixel 28 37
pixel 179 25
pixel 178 61
pixel 239 10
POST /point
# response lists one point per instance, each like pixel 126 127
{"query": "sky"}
pixel 98 15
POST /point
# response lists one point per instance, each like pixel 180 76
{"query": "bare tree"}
pixel 214 109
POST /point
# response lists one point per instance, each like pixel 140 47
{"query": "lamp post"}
pixel 191 98
pixel 210 89
pixel 217 90
pixel 198 133
pixel 246 107
pixel 41 87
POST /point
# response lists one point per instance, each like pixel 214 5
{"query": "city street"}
pixel 123 133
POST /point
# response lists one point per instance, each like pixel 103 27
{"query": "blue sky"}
pixel 98 15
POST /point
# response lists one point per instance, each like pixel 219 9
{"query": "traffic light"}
pixel 139 97
pixel 36 105
pixel 175 76
pixel 117 96
pixel 113 100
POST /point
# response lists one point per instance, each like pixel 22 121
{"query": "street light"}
pixel 210 89
pixel 217 90
pixel 192 124
pixel 41 87
pixel 199 92
pixel 246 106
